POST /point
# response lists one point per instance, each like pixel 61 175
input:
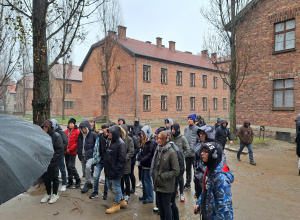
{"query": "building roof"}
pixel 28 82
pixel 72 72
pixel 152 51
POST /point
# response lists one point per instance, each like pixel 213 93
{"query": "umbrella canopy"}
pixel 25 153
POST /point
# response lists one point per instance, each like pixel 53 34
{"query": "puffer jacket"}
pixel 57 147
pixel 222 133
pixel 115 155
pixel 58 129
pixel 190 132
pixel 218 194
pixel 164 174
pixel 182 143
pixel 245 134
pixel 129 149
pixel 89 144
pixel 136 147
pixel 137 127
pixel 72 136
pixel 146 153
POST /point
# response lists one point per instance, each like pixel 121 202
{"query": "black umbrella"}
pixel 25 153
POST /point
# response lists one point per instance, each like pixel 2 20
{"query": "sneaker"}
pixel 93 195
pixel 115 207
pixel 238 158
pixel 252 163
pixel 139 184
pixel 104 197
pixel 53 198
pixel 127 199
pixel 77 184
pixel 182 198
pixel 85 188
pixel 46 198
pixel 123 203
pixel 102 181
pixel 141 198
pixel 155 209
pixel 177 194
pixel 63 188
pixel 146 201
pixel 187 188
pixel 69 183
pixel 195 196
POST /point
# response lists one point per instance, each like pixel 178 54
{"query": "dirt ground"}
pixel 269 190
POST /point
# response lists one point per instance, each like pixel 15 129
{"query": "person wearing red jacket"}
pixel 70 153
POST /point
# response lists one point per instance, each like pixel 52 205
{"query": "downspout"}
pixel 136 87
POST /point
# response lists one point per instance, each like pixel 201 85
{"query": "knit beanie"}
pixel 72 120
pixel 192 116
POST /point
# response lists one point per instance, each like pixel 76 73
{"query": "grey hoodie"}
pixel 170 123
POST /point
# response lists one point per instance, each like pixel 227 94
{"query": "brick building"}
pixel 73 99
pixel 156 82
pixel 269 95
pixel 10 97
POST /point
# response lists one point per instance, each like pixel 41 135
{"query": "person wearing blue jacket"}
pixel 215 202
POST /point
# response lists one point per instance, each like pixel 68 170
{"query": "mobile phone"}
pixel 197 211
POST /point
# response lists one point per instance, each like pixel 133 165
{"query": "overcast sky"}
pixel 172 20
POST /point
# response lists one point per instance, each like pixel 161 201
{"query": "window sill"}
pixel 147 81
pixel 164 83
pixel 204 109
pixel 192 86
pixel 178 109
pixel 68 108
pixel 178 84
pixel 164 110
pixel 204 87
pixel 283 109
pixel 284 51
pixel 147 110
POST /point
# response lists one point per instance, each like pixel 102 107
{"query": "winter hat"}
pixel 219 120
pixel 72 120
pixel 160 129
pixel 215 155
pixel 47 124
pixel 192 116
pixel 54 123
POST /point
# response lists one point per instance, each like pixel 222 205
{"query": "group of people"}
pixel 161 158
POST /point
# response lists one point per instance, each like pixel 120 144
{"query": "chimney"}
pixel 204 53
pixel 122 31
pixel 159 41
pixel 111 33
pixel 149 42
pixel 214 57
pixel 172 45
pixel 70 64
pixel 188 52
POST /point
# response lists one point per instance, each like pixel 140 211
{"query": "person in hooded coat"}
pixel 50 177
pixel 129 154
pixel 137 127
pixel 72 134
pixel 121 121
pixel 218 123
pixel 85 149
pixel 62 166
pixel 297 120
pixel 114 166
pixel 222 133
pixel 168 124
pixel 215 201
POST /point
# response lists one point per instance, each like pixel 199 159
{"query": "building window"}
pixel 15 98
pixel 224 84
pixel 69 104
pixel 215 103
pixel 69 88
pixel 164 76
pixel 146 73
pixel 215 82
pixel 163 103
pixel 103 73
pixel 224 103
pixel 103 49
pixel 179 103
pixel 146 102
pixel 192 102
pixel 179 78
pixel 204 81
pixel 192 79
pixel 204 103
pixel 283 136
pixel 284 93
pixel 285 35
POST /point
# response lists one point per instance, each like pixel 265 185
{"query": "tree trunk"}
pixel 41 94
pixel 107 109
pixel 233 113
pixel 64 91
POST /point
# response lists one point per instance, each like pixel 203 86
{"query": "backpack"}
pixel 226 128
pixel 180 157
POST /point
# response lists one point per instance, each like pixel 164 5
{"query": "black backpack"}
pixel 180 157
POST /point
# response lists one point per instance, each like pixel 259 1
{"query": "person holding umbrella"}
pixel 51 175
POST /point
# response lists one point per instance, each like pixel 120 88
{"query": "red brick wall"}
pixel 255 97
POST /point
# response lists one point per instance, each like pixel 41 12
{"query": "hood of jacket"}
pixel 122 119
pixel 176 128
pixel 47 124
pixel 223 121
pixel 198 118
pixel 54 124
pixel 148 131
pixel 209 131
pixel 246 122
pixel 85 124
pixel 116 132
pixel 170 121
pixel 215 156
pixel 221 168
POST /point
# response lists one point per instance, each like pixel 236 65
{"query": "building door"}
pixel 103 104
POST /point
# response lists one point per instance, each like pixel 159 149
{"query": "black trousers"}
pixel 70 163
pixel 174 208
pixel 164 205
pixel 198 187
pixel 51 175
pixel 132 176
pixel 127 184
pixel 189 161
pixel 140 173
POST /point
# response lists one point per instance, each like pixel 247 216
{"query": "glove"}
pixel 137 163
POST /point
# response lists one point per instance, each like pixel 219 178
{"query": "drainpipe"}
pixel 136 87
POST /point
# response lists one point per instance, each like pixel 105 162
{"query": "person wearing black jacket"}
pixel 62 166
pixel 133 159
pixel 222 133
pixel 114 166
pixel 51 175
pixel 137 127
pixel 86 144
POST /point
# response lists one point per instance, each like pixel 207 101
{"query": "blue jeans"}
pixel 249 146
pixel 115 186
pixel 98 170
pixel 147 185
pixel 62 169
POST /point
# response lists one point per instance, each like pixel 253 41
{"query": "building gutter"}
pixel 136 87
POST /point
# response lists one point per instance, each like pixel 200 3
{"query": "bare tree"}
pixel 109 18
pixel 41 14
pixel 224 16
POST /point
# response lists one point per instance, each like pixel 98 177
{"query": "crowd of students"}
pixel 161 159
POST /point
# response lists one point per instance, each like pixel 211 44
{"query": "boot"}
pixel 104 197
pixel 90 186
pixel 78 182
pixel 85 188
pixel 115 207
pixel 123 203
pixel 69 183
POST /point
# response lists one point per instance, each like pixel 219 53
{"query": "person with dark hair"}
pixel 164 169
pixel 168 124
pixel 218 123
pixel 222 133
pixel 121 121
pixel 94 126
pixel 215 201
pixel 72 134
pixel 51 175
pixel 137 127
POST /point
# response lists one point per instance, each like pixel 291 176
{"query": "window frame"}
pixel 147 98
pixel 163 76
pixel 103 74
pixel 147 73
pixel 284 34
pixel 69 102
pixel 224 85
pixel 163 103
pixel 283 95
pixel 178 102
pixel 68 88
pixel 204 81
pixel 224 103
pixel 192 102
pixel 204 103
pixel 215 103
pixel 192 79
pixel 179 76
pixel 215 82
